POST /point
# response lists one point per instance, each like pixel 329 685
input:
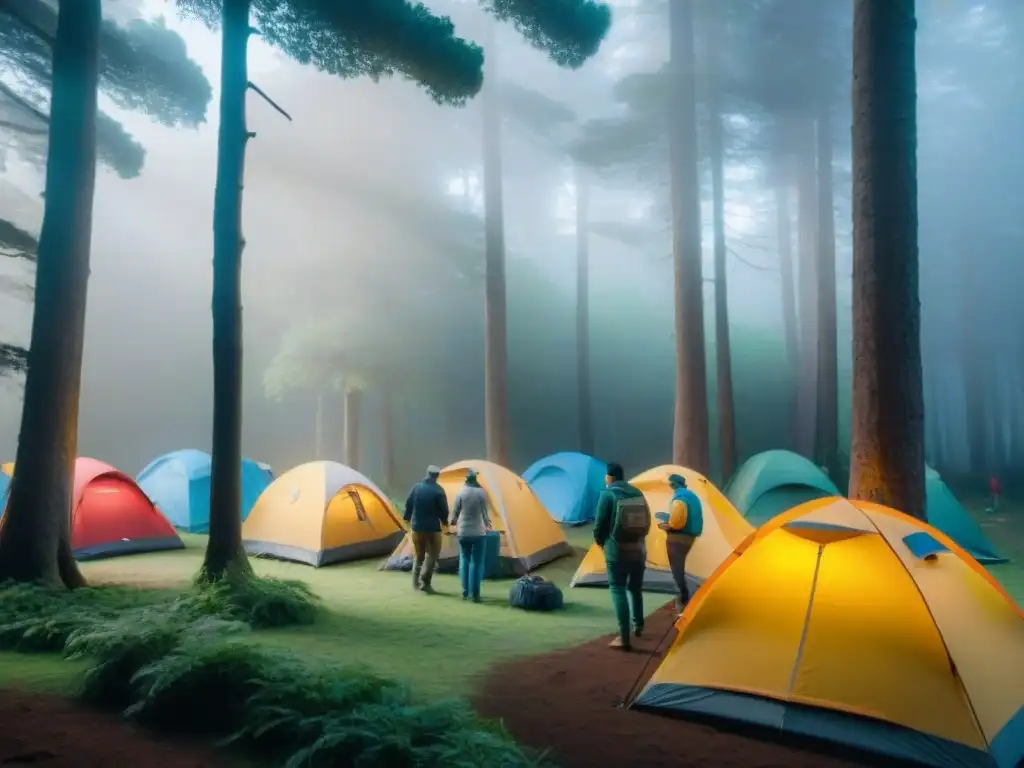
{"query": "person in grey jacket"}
pixel 472 522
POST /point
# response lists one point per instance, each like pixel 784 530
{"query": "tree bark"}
pixel 690 444
pixel 826 422
pixel 353 405
pixel 388 437
pixel 887 451
pixel 807 282
pixel 35 538
pixel 224 552
pixel 495 299
pixel 723 344
pixel 585 414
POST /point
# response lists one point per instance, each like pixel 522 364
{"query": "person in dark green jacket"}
pixel 621 528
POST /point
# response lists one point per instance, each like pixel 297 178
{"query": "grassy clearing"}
pixel 437 644
pixel 180 664
pixel 1006 532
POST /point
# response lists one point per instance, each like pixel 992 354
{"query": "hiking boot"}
pixel 426 587
pixel 416 579
pixel 638 631
pixel 618 645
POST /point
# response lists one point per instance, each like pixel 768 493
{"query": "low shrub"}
pixel 185 662
pixel 261 603
pixel 38 619
pixel 34 618
pixel 206 677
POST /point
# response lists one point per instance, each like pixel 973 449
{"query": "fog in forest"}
pixel 364 256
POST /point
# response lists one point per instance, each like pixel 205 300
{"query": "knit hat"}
pixel 677 481
pixel 433 470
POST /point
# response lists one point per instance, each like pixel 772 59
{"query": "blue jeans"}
pixel 471 565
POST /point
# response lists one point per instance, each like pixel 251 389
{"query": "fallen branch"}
pixel 269 100
pixel 7 125
pixel 25 105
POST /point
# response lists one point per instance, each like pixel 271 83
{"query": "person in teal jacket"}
pixel 684 525
pixel 621 528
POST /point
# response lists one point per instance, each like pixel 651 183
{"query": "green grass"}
pixel 438 644
pixel 1006 532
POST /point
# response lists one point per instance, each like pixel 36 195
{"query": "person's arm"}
pixel 442 507
pixel 410 504
pixel 677 515
pixel 457 508
pixel 603 521
pixel 486 511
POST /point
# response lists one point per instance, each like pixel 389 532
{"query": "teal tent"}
pixel 774 481
pixel 947 514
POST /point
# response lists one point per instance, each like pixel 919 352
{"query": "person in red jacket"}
pixel 995 490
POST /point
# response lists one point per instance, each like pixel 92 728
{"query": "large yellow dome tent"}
pixel 529 536
pixel 724 530
pixel 854 623
pixel 321 513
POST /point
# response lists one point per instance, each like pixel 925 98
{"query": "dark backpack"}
pixel 632 519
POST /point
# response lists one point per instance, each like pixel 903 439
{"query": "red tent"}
pixel 110 515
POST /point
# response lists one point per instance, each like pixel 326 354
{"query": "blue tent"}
pixel 5 486
pixel 179 484
pixel 947 514
pixel 568 485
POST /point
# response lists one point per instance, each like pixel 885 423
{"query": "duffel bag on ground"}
pixel 532 593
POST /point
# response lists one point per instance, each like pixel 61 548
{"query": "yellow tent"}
pixel 851 622
pixel 7 468
pixel 529 536
pixel 724 530
pixel 321 513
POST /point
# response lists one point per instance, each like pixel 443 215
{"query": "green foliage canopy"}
pixel 384 38
pixel 144 66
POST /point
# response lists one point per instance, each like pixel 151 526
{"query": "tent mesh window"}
pixel 360 509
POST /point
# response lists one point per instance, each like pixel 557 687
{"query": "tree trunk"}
pixel 973 359
pixel 318 438
pixel 495 300
pixel 723 345
pixel 807 213
pixel 690 446
pixel 388 437
pixel 353 402
pixel 1016 418
pixel 826 422
pixel 887 451
pixel 35 544
pixel 224 552
pixel 583 398
pixel 784 228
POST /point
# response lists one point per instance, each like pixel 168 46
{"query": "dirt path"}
pixel 566 702
pixel 55 733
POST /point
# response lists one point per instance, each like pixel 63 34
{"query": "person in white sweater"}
pixel 472 522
